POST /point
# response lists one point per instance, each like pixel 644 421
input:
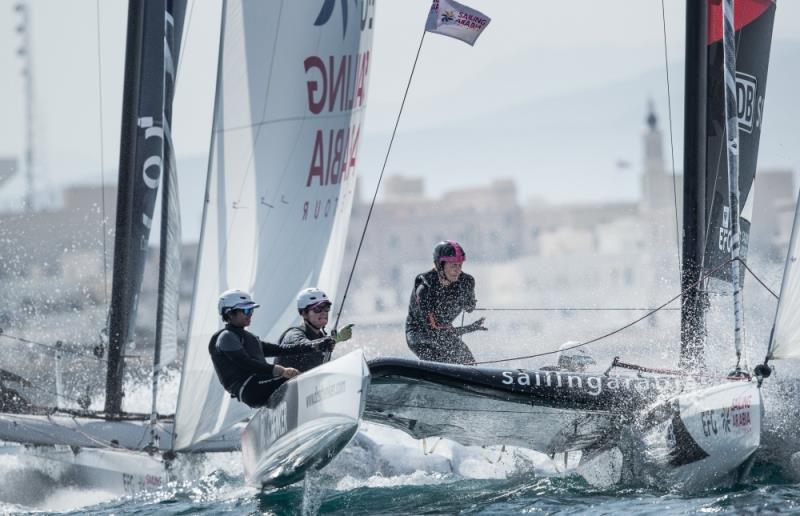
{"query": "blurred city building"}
pixel 55 265
pixel 540 255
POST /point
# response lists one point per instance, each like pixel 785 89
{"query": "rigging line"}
pixel 49 347
pixel 79 430
pixel 570 309
pixel 184 43
pixel 671 144
pixel 102 157
pixel 52 393
pixel 295 118
pixel 776 296
pixel 609 334
pixel 378 186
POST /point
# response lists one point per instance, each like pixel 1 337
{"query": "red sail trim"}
pixel 745 11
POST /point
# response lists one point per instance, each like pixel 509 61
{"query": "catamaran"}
pixel 693 427
pixel 290 100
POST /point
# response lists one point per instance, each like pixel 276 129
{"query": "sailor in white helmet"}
pixel 313 306
pixel 239 356
pixel 573 357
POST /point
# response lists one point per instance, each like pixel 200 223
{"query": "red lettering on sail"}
pixel 317 158
pixel 338 86
pixel 315 105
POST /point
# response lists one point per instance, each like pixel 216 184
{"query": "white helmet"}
pixel 310 297
pixel 231 299
pixel 572 358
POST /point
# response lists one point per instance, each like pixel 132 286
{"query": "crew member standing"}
pixel 439 295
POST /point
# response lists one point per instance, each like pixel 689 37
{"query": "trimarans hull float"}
pixel 625 426
pixel 306 423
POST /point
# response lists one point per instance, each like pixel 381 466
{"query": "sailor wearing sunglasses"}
pixel 239 356
pixel 313 306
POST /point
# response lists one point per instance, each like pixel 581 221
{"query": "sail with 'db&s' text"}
pixel 753 24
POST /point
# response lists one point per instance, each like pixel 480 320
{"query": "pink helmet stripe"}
pixel 458 258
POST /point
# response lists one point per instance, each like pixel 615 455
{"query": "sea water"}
pixel 384 471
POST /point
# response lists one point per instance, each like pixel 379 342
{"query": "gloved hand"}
pixel 344 334
pixel 476 326
pixel 325 344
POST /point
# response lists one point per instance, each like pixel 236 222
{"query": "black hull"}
pixel 549 411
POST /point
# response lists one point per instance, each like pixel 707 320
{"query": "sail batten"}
pixel 287 121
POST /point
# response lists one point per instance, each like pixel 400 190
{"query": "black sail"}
pixel 140 168
pixel 170 247
pixel 753 24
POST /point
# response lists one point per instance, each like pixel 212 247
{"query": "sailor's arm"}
pixel 295 342
pixel 470 302
pixel 230 346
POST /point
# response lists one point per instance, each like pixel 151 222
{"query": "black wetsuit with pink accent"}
pixel 433 307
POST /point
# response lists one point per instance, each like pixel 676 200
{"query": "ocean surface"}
pixel 386 472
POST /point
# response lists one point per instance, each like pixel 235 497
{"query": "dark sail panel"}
pixel 753 22
pixel 170 248
pixel 141 162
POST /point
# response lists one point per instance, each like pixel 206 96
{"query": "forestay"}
pixel 291 93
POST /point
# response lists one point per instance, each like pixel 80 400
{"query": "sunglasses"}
pixel 247 311
pixel 319 309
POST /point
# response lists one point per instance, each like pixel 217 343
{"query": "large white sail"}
pixel 785 341
pixel 291 93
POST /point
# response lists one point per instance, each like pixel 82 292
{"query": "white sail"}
pixel 785 341
pixel 291 92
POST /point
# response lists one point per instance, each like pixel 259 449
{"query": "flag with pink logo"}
pixel 456 20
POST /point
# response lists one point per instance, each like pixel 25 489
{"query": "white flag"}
pixel 456 20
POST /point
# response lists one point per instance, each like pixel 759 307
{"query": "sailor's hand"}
pixel 478 325
pixel 344 334
pixel 290 372
pixel 326 344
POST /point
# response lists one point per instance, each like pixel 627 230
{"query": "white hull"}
pixel 706 437
pixel 96 432
pixel 306 423
pixel 118 472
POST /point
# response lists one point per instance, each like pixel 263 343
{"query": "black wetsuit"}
pixel 304 335
pixel 239 360
pixel 431 311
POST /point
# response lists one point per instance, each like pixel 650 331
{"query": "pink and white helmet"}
pixel 448 251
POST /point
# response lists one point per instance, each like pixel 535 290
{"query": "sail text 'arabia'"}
pixel 336 86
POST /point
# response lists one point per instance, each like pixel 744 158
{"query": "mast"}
pixel 25 52
pixel 694 160
pixel 732 133
pixel 140 163
pixel 118 322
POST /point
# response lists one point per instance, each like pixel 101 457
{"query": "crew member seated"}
pixel 571 359
pixel 239 356
pixel 313 306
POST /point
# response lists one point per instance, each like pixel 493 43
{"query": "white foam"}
pixel 71 498
pixel 381 456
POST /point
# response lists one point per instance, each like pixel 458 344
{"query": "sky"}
pixel 553 94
